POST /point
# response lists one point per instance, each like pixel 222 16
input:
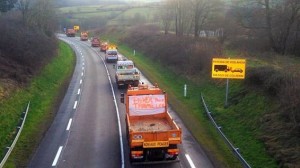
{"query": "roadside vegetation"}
pixel 34 67
pixel 45 92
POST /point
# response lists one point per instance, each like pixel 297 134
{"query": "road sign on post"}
pixel 228 68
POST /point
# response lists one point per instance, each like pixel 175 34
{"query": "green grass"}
pixel 239 122
pixel 43 93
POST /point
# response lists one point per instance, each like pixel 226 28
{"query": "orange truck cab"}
pixel 103 46
pixel 152 134
pixel 95 42
pixel 84 36
pixel 70 33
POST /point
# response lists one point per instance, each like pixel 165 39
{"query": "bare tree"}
pixel 278 19
pixel 23 6
pixel 202 9
pixel 42 15
pixel 167 15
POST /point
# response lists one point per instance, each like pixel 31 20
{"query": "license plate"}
pixel 156 144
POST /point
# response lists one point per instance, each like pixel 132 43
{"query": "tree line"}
pixel 275 23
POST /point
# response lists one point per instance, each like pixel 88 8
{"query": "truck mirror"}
pixel 122 97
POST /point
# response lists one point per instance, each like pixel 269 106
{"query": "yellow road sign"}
pixel 228 68
pixel 76 28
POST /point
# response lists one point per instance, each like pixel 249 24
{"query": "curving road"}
pixel 89 129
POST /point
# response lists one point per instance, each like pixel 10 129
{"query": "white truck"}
pixel 126 74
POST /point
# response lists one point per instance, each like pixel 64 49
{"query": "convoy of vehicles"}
pixel 151 132
pixel 126 74
pixel 70 33
pixel 84 36
pixel 95 42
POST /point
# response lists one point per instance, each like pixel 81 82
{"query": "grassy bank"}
pixel 44 93
pixel 235 120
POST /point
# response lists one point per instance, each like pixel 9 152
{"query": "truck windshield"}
pixel 112 52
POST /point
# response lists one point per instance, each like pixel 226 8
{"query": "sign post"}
pixel 228 69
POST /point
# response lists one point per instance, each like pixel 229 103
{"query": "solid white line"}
pixel 190 161
pixel 118 116
pixel 75 105
pixel 78 91
pixel 69 124
pixel 57 156
pixel 80 81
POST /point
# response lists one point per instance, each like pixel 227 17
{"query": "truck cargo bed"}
pixel 150 124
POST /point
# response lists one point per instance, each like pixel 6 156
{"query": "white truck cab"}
pixel 126 73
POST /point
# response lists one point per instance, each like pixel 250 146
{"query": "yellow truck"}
pixel 153 136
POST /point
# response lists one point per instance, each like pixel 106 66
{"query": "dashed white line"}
pixel 69 124
pixel 82 68
pixel 190 161
pixel 81 73
pixel 75 105
pixel 57 156
pixel 80 81
pixel 78 91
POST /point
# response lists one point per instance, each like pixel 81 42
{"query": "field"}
pixel 122 14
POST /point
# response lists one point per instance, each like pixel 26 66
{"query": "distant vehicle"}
pixel 95 42
pixel 84 36
pixel 103 46
pixel 152 134
pixel 237 70
pixel 111 55
pixel 224 68
pixel 70 33
pixel 127 74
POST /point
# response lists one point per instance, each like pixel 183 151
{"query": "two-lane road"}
pixel 89 129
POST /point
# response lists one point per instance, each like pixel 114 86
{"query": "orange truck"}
pixel 95 42
pixel 153 136
pixel 70 33
pixel 84 36
pixel 103 46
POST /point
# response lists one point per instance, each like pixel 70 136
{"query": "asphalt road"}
pixel 89 129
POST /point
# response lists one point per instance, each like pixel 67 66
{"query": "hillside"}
pixel 20 49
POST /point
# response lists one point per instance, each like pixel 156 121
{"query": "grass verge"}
pixel 45 92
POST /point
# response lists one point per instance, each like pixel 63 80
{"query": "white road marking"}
pixel 118 116
pixel 190 161
pixel 78 91
pixel 69 124
pixel 82 68
pixel 81 73
pixel 80 81
pixel 57 156
pixel 75 105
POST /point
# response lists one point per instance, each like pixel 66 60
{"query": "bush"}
pixel 281 126
pixel 185 55
pixel 23 50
